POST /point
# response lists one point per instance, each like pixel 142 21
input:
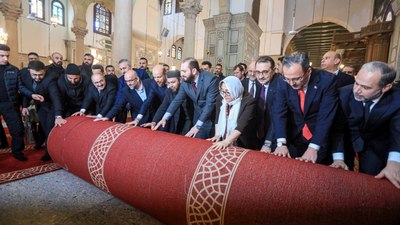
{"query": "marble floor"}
pixel 60 198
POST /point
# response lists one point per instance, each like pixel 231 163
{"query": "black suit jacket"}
pixel 377 137
pixel 245 83
pixel 246 121
pixel 72 95
pixel 181 121
pixel 49 90
pixel 343 79
pixel 103 100
pixel 271 97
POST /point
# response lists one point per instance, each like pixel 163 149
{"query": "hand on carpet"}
pixel 391 172
pixel 339 164
pixel 310 155
pixel 282 151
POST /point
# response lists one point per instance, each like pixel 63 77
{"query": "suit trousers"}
pixel 205 130
pixel 47 121
pixel 14 123
pixel 371 162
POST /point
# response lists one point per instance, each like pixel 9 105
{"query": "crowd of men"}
pixel 314 115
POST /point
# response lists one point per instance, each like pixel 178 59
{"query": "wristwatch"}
pixel 58 117
pixel 198 127
pixel 267 144
pixel 280 144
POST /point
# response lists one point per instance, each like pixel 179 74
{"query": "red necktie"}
pixel 194 86
pixel 306 132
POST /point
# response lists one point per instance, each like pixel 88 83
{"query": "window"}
pixel 179 54
pixel 173 51
pixel 177 7
pixel 167 7
pixel 36 8
pixel 102 20
pixel 57 11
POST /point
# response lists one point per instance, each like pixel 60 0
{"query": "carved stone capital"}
pixel 10 11
pixel 79 32
pixel 191 8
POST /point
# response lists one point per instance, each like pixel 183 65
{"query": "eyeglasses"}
pixel 37 75
pixel 123 68
pixel 224 93
pixel 294 80
pixel 264 72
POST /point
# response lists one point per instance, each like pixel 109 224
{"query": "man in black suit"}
pixel 251 84
pixel 10 88
pixel 218 72
pixel 72 87
pixel 202 88
pixel 330 62
pixel 101 93
pixel 180 122
pixel 49 106
pixel 139 94
pixel 304 110
pixel 264 70
pixel 56 68
pixel 371 115
pixel 86 67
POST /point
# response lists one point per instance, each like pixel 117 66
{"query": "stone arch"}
pixel 307 23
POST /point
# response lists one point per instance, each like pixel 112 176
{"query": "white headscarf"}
pixel 236 90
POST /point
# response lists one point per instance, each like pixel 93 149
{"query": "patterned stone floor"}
pixel 60 198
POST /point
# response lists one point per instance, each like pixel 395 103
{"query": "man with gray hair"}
pixel 370 120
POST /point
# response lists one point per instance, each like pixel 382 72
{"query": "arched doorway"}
pixel 315 39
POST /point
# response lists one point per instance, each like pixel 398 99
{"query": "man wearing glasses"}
pixel 48 104
pixel 101 93
pixel 264 71
pixel 304 110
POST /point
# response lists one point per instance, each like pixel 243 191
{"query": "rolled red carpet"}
pixel 179 180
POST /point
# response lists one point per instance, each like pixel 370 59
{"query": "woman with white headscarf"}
pixel 235 116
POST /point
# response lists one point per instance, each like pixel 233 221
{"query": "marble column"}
pixel 80 32
pixel 11 14
pixel 122 37
pixel 190 8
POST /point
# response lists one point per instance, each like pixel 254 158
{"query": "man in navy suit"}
pixel 371 114
pixel 202 89
pixel 330 62
pixel 264 70
pixel 304 110
pixel 139 94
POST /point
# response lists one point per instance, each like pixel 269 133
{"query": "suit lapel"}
pixel 379 109
pixel 312 89
pixel 199 85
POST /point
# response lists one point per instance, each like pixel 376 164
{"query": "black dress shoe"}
pixel 46 157
pixel 20 157
pixel 37 146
